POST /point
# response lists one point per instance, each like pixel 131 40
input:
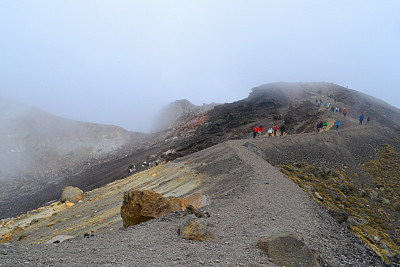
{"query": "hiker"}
pixel 344 112
pixel 361 118
pixel 260 129
pixel 337 124
pixel 276 129
pixel 368 119
pixel 317 127
pixel 255 131
pixel 282 129
pixel 270 130
pixel 325 125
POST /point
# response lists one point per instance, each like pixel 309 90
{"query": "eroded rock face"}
pixel 71 194
pixel 288 250
pixel 140 206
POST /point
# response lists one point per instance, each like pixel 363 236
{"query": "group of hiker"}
pixel 332 108
pixel 361 119
pixel 323 125
pixel 258 130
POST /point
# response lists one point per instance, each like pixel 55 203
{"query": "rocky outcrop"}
pixel 7 236
pixel 288 250
pixel 71 194
pixel 140 206
pixel 176 113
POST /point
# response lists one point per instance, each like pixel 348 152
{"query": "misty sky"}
pixel 119 62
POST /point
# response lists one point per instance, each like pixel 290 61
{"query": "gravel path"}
pixel 262 202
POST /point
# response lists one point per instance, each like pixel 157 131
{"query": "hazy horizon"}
pixel 119 63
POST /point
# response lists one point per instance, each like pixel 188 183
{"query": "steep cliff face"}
pixel 176 113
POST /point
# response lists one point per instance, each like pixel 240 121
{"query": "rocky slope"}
pixel 291 103
pixel 250 199
pixel 39 151
pixel 226 171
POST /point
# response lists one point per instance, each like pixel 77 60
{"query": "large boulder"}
pixel 288 250
pixel 140 206
pixel 71 194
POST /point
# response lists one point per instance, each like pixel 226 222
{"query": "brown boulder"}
pixel 71 194
pixel 193 229
pixel 288 250
pixel 140 206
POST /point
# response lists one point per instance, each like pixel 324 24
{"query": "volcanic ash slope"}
pixel 251 198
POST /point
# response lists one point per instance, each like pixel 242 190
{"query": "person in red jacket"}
pixel 255 131
pixel 260 130
pixel 276 129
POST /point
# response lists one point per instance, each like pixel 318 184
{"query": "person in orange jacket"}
pixel 255 131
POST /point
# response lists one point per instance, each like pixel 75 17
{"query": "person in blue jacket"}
pixel 361 118
pixel 337 124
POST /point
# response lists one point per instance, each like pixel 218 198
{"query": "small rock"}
pixel 309 188
pixel 59 239
pixel 373 194
pixel 339 215
pixel 353 222
pixel 50 223
pixel 318 196
pixel 192 228
pixel 34 221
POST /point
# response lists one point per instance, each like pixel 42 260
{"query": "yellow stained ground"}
pixel 99 211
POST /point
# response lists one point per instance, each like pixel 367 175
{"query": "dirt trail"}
pixel 251 198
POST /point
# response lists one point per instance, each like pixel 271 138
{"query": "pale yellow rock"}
pixel 69 204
